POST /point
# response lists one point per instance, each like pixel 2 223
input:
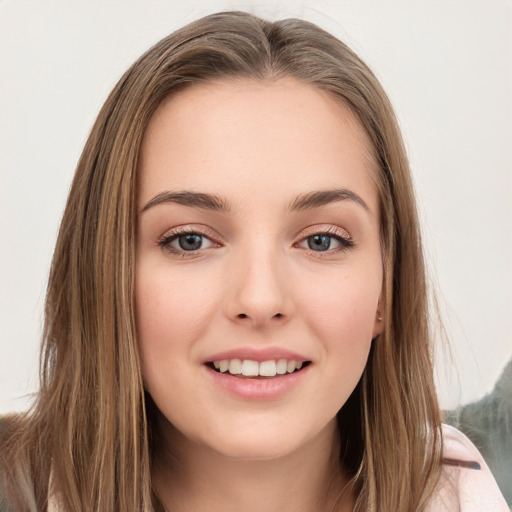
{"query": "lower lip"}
pixel 258 389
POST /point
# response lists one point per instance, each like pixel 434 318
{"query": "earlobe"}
pixel 378 325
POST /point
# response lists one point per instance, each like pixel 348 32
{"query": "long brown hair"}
pixel 90 427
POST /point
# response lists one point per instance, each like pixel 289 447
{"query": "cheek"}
pixel 172 312
pixel 344 311
pixel 342 317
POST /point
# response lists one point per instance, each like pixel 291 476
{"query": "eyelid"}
pixel 185 229
pixel 342 235
pixel 190 228
pixel 327 229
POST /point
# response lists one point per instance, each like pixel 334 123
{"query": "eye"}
pixel 182 242
pixel 319 242
pixel 327 241
pixel 190 241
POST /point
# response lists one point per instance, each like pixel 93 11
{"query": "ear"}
pixel 378 324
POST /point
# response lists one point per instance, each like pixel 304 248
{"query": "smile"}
pixel 251 368
pixel 252 382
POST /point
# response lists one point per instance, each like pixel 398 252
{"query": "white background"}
pixel 447 65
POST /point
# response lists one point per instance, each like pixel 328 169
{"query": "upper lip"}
pixel 257 354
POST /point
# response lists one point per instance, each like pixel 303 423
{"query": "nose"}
pixel 258 290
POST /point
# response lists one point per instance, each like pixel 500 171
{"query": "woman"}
pixel 236 315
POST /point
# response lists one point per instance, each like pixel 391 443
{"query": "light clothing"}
pixel 465 489
pixel 488 424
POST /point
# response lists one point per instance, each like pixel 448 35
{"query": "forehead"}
pixel 239 136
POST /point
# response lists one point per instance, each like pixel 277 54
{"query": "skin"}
pixel 254 283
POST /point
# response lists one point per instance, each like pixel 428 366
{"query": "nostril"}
pixel 244 315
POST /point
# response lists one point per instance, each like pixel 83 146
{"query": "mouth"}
pixel 250 369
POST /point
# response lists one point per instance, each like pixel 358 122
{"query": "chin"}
pixel 269 441
pixel 244 447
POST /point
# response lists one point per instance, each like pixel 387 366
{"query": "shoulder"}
pixel 3 507
pixel 11 427
pixel 457 447
pixel 5 427
pixel 466 483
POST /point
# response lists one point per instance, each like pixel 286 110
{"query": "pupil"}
pixel 319 242
pixel 190 242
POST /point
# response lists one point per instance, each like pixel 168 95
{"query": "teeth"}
pixel 250 368
pixel 281 366
pixel 235 367
pixel 268 369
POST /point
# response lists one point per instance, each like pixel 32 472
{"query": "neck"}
pixel 200 479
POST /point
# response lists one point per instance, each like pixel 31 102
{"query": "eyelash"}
pixel 168 238
pixel 345 241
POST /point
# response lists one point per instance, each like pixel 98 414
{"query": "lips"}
pixel 257 374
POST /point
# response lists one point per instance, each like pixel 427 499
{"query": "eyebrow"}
pixel 307 201
pixel 320 198
pixel 194 199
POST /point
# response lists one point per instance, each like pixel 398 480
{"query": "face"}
pixel 258 269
